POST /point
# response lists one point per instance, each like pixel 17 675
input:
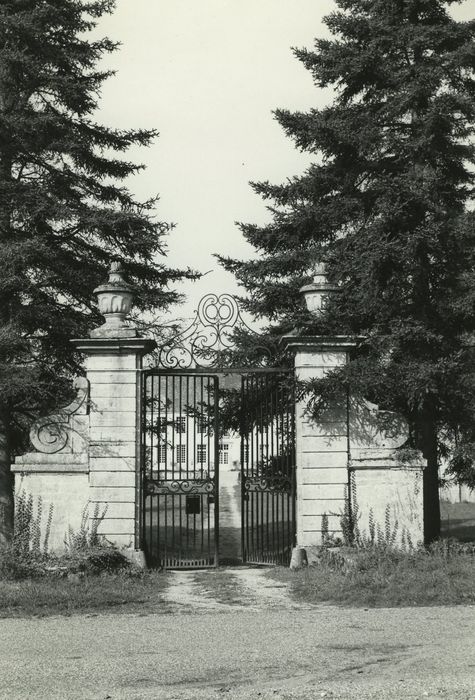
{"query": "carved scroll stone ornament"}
pixel 373 428
pixel 53 433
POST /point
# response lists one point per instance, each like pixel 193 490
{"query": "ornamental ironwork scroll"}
pixel 177 486
pixel 209 338
pixel 270 483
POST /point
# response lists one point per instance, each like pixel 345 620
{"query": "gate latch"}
pixel 193 505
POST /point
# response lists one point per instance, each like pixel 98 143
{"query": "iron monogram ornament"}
pixel 208 338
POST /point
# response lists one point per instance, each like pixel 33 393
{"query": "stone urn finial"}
pixel 115 299
pixel 317 292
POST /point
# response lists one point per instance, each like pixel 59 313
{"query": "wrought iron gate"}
pixel 178 489
pixel 268 467
pixel 180 469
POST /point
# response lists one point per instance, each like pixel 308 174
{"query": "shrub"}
pixel 93 561
pixel 16 566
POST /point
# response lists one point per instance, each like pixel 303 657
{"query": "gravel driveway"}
pixel 262 646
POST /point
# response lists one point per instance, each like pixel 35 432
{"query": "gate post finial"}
pixel 115 300
pixel 318 291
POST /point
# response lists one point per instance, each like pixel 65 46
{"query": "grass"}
pixel 107 593
pixel 382 578
pixel 458 520
pixel 221 586
pixel 365 578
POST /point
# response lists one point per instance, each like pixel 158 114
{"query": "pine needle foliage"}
pixel 386 204
pixel 65 209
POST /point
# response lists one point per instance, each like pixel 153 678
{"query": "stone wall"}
pixel 57 474
pixel 387 499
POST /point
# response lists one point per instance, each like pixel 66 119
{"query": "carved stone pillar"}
pixel 113 360
pixel 322 446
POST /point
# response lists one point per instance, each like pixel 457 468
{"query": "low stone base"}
pixel 299 559
pixel 135 556
pixel 63 495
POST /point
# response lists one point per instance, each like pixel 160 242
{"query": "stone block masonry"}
pixel 113 363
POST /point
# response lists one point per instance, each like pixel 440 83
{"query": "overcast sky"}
pixel 207 74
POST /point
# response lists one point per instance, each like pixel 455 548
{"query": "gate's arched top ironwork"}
pixel 207 339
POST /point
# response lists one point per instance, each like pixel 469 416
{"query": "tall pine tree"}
pixel 65 211
pixel 386 205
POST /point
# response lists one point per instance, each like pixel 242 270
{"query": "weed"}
pixel 442 574
pixel 25 556
pixel 87 535
pixel 27 528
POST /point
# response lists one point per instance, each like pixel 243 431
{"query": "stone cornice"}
pixel 327 342
pixel 114 346
pixel 54 463
pixel 379 458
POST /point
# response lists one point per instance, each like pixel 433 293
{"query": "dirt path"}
pixel 228 589
pixel 229 515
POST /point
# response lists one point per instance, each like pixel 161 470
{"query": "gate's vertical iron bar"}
pixel 270 462
pixel 293 464
pixel 260 466
pixel 144 438
pixel 165 499
pixel 144 457
pixel 195 428
pixel 278 452
pixel 263 465
pixel 180 473
pixel 144 390
pixel 243 476
pixel 248 418
pixel 349 507
pixel 150 500
pixel 287 471
pixel 188 458
pixel 282 438
pixel 285 504
pixel 154 501
pixel 174 462
pixel 274 456
pixel 138 459
pixel 255 510
pixel 250 453
pixel 253 467
pixel 208 470
pixel 203 424
pixel 216 471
